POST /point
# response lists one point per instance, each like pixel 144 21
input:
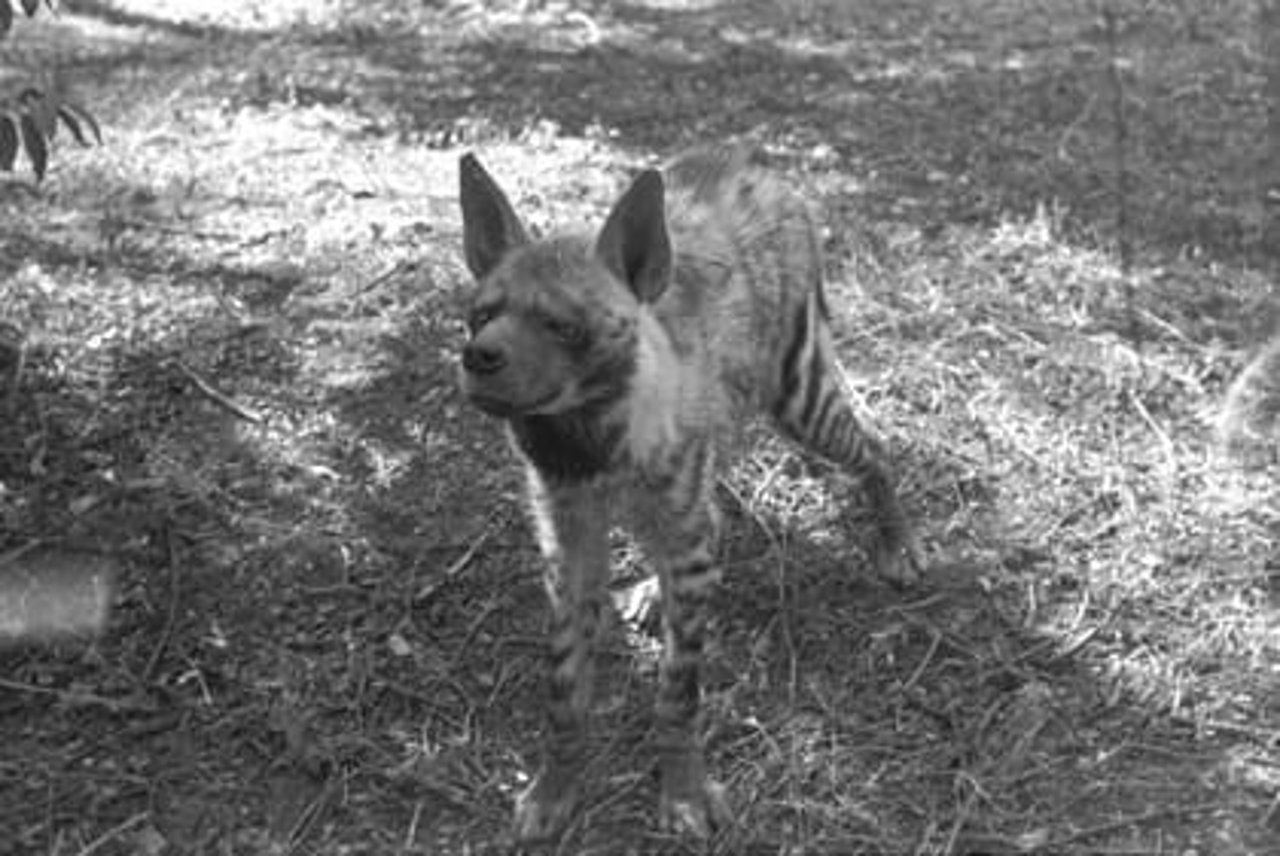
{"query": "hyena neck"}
pixel 637 431
pixel 651 413
pixel 568 448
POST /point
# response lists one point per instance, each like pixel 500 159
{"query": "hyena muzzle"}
pixel 621 362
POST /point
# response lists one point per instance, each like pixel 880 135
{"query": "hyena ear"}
pixel 633 243
pixel 490 227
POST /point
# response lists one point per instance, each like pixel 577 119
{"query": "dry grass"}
pixel 239 321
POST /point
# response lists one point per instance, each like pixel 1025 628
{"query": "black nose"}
pixel 482 359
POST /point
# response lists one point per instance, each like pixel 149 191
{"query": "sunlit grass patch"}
pixel 1101 453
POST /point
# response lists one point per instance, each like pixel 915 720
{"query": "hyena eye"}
pixel 567 332
pixel 480 316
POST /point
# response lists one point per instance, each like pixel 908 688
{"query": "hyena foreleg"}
pixel 680 532
pixel 572 526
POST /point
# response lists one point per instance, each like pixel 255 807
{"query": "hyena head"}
pixel 553 322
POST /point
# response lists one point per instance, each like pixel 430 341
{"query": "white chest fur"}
pixel 660 394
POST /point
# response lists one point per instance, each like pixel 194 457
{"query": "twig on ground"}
pixel 490 607
pixel 460 564
pixel 1070 646
pixel 1166 442
pixel 924 663
pixel 1167 326
pixel 76 698
pixel 18 552
pixel 119 829
pixel 411 834
pixel 312 813
pixel 1056 845
pixel 1269 737
pixel 18 686
pixel 171 616
pixel 962 814
pixel 207 390
pixel 122 223
pixel 402 266
pixel 1273 812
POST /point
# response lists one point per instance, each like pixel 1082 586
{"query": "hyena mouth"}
pixel 507 409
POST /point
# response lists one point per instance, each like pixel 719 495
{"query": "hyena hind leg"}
pixel 821 415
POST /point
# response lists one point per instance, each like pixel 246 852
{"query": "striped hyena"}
pixel 621 362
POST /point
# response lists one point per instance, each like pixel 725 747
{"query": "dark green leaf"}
pixel 73 125
pixel 70 111
pixel 41 108
pixel 6 17
pixel 35 144
pixel 8 142
pixel 30 7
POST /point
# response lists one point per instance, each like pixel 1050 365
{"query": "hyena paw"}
pixel 694 811
pixel 901 565
pixel 544 808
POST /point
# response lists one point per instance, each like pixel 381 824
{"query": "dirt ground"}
pixel 232 450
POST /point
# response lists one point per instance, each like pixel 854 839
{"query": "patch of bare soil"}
pixel 308 611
